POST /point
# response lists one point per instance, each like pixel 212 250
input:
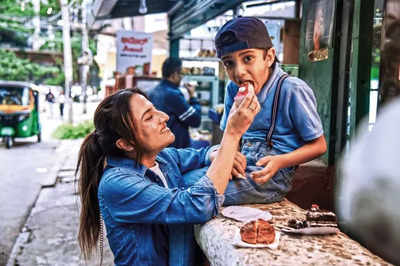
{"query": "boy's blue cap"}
pixel 242 33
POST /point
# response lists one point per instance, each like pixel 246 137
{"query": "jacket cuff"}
pixel 193 100
pixel 210 150
pixel 205 186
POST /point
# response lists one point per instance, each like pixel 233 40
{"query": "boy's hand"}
pixel 271 164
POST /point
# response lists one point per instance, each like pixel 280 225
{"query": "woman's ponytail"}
pixel 90 167
pixel 112 121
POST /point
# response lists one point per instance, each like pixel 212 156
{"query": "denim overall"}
pixel 243 191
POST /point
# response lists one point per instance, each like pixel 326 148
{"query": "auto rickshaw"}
pixel 19 111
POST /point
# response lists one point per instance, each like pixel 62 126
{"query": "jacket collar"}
pixel 124 162
pixel 169 84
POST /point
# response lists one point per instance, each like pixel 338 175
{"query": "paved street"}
pixel 49 236
pixel 25 169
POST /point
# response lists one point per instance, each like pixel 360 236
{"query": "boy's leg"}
pixel 246 191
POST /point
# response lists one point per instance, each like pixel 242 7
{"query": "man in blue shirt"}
pixel 168 98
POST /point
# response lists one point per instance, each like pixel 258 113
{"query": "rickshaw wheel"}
pixel 9 142
pixel 39 137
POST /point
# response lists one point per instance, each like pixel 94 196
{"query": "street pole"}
pixel 36 23
pixel 85 49
pixel 67 58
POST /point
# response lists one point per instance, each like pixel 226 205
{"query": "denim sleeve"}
pixel 189 158
pixel 303 111
pixel 228 102
pixel 130 198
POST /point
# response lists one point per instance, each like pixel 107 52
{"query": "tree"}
pixel 15 29
pixel 14 68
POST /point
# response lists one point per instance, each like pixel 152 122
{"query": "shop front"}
pixel 348 54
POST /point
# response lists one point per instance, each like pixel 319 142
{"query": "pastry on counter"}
pixel 318 215
pixel 315 217
pixel 258 232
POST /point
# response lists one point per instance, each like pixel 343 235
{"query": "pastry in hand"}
pixel 242 92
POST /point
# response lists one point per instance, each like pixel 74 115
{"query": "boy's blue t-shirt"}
pixel 297 122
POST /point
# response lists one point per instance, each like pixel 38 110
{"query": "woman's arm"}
pixel 239 163
pixel 131 198
pixel 239 120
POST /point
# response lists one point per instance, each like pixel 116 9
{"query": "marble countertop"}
pixel 216 240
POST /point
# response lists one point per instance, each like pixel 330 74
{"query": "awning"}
pixel 184 15
pixel 108 9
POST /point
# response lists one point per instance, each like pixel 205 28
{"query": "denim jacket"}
pixel 143 218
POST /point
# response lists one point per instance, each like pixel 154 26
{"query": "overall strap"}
pixel 275 106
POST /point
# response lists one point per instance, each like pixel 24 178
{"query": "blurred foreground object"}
pixel 369 191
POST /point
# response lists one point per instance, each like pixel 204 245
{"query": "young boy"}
pixel 285 133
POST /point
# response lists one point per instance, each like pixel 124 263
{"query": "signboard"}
pixel 134 51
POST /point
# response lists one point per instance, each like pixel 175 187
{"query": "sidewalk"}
pixel 49 236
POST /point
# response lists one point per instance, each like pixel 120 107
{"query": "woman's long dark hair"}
pixel 112 120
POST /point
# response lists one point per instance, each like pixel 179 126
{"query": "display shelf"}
pixel 207 92
pixel 208 84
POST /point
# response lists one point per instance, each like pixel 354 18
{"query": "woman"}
pixel 137 185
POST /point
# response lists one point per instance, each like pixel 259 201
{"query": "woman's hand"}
pixel 242 115
pixel 271 164
pixel 239 164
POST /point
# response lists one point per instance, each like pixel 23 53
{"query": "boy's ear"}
pixel 124 145
pixel 271 53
